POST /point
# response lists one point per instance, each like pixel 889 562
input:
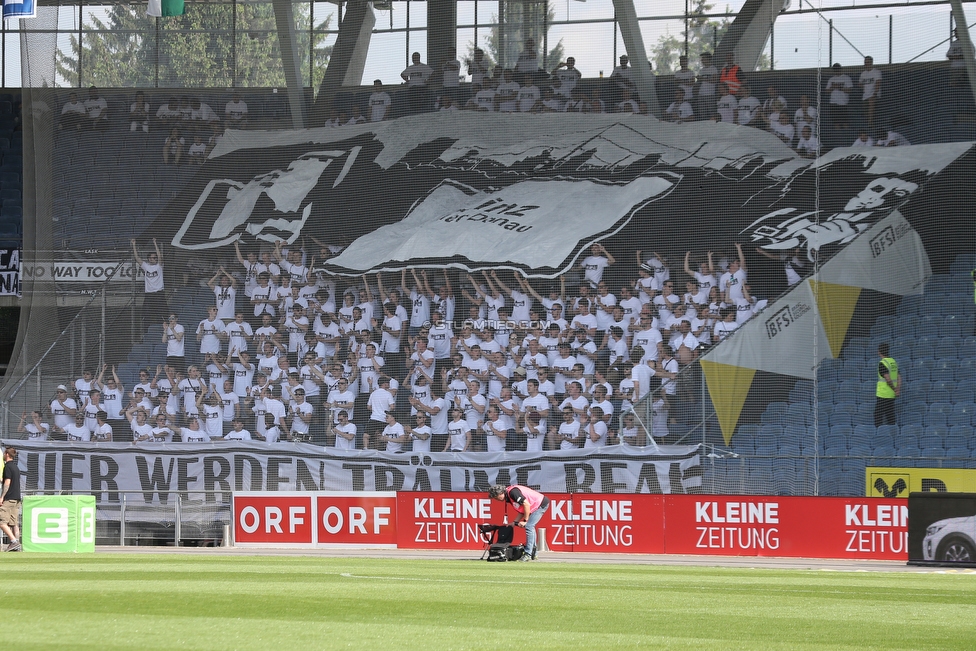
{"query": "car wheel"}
pixel 957 550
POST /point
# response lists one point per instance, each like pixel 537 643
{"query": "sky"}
pixel 902 33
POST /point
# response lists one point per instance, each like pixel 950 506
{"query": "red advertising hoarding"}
pixel 279 519
pixel 356 520
pixel 315 519
pixel 803 527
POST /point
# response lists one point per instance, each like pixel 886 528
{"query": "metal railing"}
pixel 160 517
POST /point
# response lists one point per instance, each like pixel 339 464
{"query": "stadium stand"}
pixel 935 416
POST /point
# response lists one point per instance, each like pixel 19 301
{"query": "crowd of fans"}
pixel 708 93
pixel 194 128
pixel 422 361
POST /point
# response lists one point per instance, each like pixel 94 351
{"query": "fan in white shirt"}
pixel 379 103
pixel 808 145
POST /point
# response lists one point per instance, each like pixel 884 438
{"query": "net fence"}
pixel 729 280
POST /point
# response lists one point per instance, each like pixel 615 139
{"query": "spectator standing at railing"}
pixel 451 71
pixel 839 86
pixel 622 78
pixel 173 334
pixel 97 109
pixel 72 113
pixel 774 103
pixel 173 147
pixel 528 60
pixel 627 104
pixel 707 79
pixel 379 103
pixel 805 116
pixel 568 76
pixel 730 75
pixel 680 109
pixel 782 128
pixel 890 138
pixel 477 67
pixel 749 108
pixel 235 112
pixel 139 113
pixel 808 145
pixel 870 82
pixel 684 77
pixel 863 140
pixel 168 114
pixel 528 96
pixel 36 429
pixel 727 105
pixel 417 76
pixel 196 154
pixel 154 304
pixel 888 387
pixel 506 95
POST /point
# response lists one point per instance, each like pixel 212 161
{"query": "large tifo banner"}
pixel 251 466
pixel 804 527
pixel 477 191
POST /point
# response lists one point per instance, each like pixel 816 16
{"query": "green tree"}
pixel 530 25
pixel 196 50
pixel 702 35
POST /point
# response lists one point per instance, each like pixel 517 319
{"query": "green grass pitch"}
pixel 147 602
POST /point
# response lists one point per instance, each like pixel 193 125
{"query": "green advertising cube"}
pixel 59 523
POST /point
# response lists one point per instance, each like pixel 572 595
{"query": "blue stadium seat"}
pixel 958 453
pixel 957 418
pixel 883 451
pixel 940 407
pixel 864 415
pixel 845 407
pixel 886 434
pixel 946 359
pixel 825 409
pixel 766 448
pixel 788 447
pixel 778 407
pixel 840 420
pixel 772 418
pixel 916 387
pixel 959 436
pixel 799 408
pixel 903 441
pixel 939 396
pixel 963 396
pixel 931 441
pixel 910 418
pixel 907 453
pixel 908 306
pixel 745 431
pixel 929 325
pixel 933 453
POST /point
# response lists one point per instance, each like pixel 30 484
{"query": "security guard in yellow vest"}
pixel 889 388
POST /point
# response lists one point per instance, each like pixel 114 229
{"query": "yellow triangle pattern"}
pixel 728 387
pixel 836 304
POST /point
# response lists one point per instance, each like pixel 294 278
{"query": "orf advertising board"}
pixel 361 519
